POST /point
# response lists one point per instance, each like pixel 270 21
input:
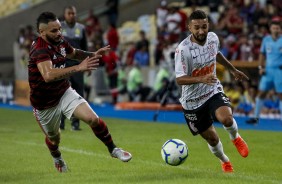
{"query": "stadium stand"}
pixel 9 7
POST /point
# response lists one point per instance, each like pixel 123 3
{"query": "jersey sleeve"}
pixel 263 46
pixel 41 55
pixel 180 63
pixel 216 40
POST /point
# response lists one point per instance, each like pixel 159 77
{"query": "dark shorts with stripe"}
pixel 200 119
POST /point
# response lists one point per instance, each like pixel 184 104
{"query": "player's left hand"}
pixel 239 76
pixel 103 50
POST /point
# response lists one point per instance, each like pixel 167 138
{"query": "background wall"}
pixel 9 26
pixel 128 10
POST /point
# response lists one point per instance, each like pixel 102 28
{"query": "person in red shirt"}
pixel 112 37
pixel 110 60
pixel 91 23
pixel 50 93
pixel 183 23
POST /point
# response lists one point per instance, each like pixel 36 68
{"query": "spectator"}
pixel 136 90
pixel 143 41
pixel 122 80
pixel 161 13
pixel 112 11
pixel 25 38
pixel 164 87
pixel 92 23
pixel 110 59
pixel 247 101
pixel 271 105
pixel 24 51
pixel 183 22
pixel 256 47
pixel 173 23
pixel 161 84
pixel 112 37
pixel 233 92
pixel 245 49
pixel 130 53
pixel 30 36
pixel 141 57
pixel 214 10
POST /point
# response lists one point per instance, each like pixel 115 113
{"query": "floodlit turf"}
pixel 25 158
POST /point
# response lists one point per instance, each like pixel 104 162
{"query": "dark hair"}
pixel 198 14
pixel 275 22
pixel 45 18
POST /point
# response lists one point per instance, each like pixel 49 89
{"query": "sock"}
pixel 218 152
pixel 232 130
pixel 280 109
pixel 54 149
pixel 101 131
pixel 259 104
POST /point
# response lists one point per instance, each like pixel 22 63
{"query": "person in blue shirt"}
pixel 270 68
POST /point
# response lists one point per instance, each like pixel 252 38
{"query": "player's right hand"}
pixel 209 79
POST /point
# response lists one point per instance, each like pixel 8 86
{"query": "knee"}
pixel 227 120
pixel 212 140
pixel 55 140
pixel 92 121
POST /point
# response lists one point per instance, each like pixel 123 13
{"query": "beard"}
pixel 53 41
pixel 201 38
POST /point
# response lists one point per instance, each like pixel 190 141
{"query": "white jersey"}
pixel 194 60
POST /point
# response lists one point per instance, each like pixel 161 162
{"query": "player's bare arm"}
pixel 187 80
pixel 261 66
pixel 53 74
pixel 235 72
pixel 79 55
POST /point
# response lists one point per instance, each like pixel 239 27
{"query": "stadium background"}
pixel 23 153
pixel 134 15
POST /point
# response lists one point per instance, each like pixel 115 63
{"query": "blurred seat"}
pixel 8 7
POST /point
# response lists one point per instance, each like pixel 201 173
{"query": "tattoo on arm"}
pixel 81 54
pixel 65 75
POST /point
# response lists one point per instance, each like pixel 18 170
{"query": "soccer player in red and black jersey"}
pixel 50 93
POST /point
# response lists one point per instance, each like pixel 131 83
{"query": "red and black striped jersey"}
pixel 46 95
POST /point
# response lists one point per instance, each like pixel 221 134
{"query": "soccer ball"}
pixel 174 152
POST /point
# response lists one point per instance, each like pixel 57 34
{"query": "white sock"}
pixel 232 130
pixel 218 152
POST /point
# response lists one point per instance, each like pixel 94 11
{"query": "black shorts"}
pixel 200 119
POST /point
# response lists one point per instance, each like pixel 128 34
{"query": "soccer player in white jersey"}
pixel 203 99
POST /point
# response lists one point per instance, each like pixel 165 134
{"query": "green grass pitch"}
pixel 25 158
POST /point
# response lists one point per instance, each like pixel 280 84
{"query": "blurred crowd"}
pixel 240 25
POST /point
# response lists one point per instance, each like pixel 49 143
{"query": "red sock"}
pixel 101 131
pixel 54 149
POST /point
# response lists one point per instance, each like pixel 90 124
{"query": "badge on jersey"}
pixel 63 51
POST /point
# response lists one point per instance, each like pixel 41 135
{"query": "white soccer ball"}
pixel 174 152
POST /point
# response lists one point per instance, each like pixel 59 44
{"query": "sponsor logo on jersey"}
pixel 59 66
pixel 199 98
